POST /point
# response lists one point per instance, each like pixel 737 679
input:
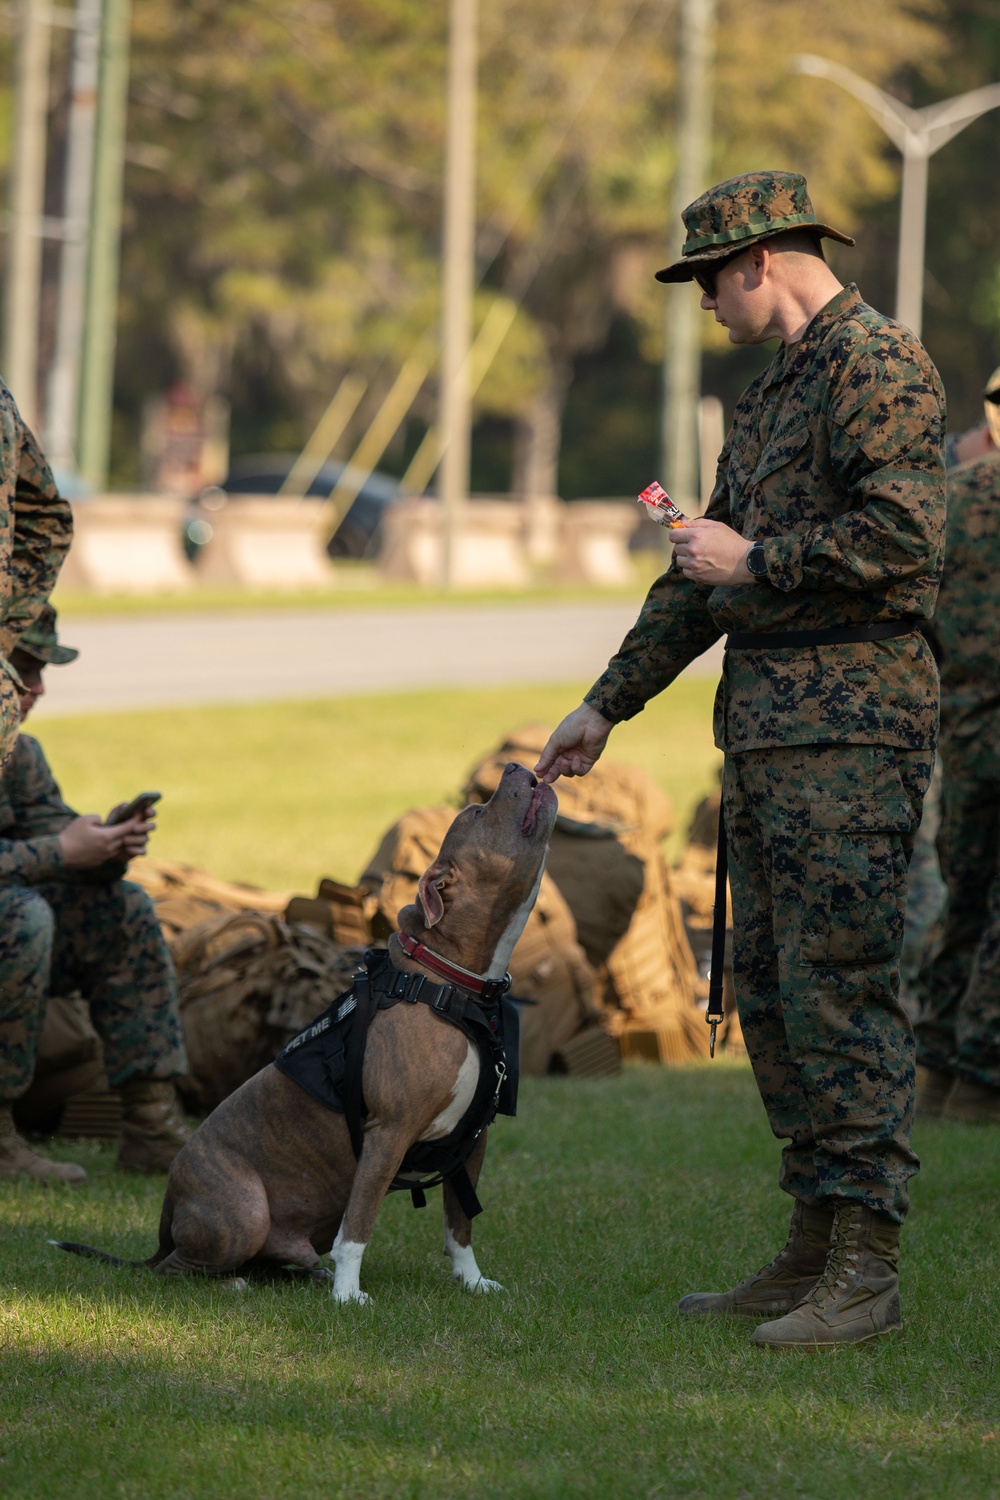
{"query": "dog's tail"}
pixel 92 1253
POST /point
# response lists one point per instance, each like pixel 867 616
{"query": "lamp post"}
pixel 682 356
pixel 97 362
pixel 458 278
pixel 64 375
pixel 917 134
pixel 24 268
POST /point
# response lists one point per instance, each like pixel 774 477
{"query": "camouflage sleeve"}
pixel 886 430
pixel 39 524
pixel 35 814
pixel 673 629
pixel 30 861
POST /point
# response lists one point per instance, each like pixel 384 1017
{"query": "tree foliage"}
pixel 284 194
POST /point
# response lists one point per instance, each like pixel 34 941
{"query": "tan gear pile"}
pixel 612 961
pixel 606 857
pixel 247 983
pixel 185 896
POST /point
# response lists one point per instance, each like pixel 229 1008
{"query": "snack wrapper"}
pixel 660 506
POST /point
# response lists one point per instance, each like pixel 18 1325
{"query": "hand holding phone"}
pixel 139 806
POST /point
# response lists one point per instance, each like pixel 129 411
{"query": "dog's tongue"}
pixel 540 794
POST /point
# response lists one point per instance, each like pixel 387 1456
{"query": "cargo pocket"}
pixel 855 866
pixel 780 451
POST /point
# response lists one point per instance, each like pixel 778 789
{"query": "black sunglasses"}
pixel 706 278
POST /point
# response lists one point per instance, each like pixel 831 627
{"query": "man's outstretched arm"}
pixel 576 746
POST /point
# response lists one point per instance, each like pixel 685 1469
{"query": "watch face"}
pixel 757 562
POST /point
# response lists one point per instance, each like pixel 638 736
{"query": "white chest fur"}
pixel 462 1093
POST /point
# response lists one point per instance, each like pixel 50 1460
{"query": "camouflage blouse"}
pixel 32 816
pixel 36 526
pixel 835 462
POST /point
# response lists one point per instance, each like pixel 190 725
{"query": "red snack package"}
pixel 660 506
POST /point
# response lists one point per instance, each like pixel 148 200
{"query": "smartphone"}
pixel 140 804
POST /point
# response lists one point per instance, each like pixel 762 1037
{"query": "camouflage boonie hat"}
pixel 737 213
pixel 991 401
pixel 42 641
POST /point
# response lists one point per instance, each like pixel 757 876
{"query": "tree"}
pixel 284 177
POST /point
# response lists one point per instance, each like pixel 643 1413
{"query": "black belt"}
pixel 836 635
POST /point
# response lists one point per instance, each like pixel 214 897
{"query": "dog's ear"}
pixel 429 887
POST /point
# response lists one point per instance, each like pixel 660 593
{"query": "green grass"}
pixel 285 793
pixel 355 585
pixel 605 1201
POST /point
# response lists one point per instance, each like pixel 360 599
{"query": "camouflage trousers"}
pixel 958 1028
pixel 105 941
pixel 819 838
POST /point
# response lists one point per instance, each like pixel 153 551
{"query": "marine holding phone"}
pixel 70 922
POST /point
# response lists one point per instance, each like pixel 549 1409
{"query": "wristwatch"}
pixel 756 561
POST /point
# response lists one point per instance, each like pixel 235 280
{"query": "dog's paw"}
pixel 358 1298
pixel 238 1284
pixel 481 1286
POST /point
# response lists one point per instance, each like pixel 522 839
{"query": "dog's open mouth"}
pixel 542 795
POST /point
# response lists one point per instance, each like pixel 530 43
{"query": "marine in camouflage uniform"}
pixel 36 526
pixel 926 891
pixel 834 467
pixel 65 928
pixel 958 1028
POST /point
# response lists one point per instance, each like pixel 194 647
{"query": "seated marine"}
pixel 70 922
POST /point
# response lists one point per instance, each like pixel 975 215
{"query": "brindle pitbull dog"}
pixel 271 1176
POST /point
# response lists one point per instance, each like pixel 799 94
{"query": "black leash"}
pixel 714 1013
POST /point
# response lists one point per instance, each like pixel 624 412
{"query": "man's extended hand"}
pixel 87 842
pixel 576 745
pixel 711 552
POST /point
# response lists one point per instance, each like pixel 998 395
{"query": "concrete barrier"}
pixel 260 541
pixel 593 544
pixel 129 544
pixel 489 545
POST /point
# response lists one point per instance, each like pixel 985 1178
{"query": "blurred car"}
pixel 359 534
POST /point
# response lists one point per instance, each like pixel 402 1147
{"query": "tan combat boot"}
pixel 974 1103
pixel 19 1159
pixel 933 1088
pixel 856 1298
pixel 153 1128
pixel 781 1284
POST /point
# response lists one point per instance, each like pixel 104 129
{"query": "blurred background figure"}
pixel 68 922
pixel 958 1027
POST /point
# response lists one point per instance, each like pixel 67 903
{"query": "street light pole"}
pixel 917 134
pixel 458 275
pixel 24 267
pixel 682 354
pixel 97 362
pixel 64 376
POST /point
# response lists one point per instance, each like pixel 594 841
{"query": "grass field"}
pixel 605 1201
pixel 354 584
pixel 282 795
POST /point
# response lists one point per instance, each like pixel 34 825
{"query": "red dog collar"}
pixel 454 973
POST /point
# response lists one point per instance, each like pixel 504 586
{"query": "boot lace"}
pixel 841 1262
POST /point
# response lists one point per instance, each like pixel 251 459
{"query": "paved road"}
pixel 167 661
